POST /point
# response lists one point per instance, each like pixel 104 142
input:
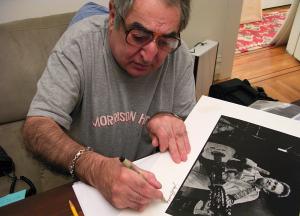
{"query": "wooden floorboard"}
pixel 271 68
pixel 285 87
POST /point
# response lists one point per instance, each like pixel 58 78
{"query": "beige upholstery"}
pixel 25 46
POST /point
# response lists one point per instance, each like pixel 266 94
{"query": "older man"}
pixel 112 86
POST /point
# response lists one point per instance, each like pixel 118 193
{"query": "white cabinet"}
pixel 205 61
pixel 216 20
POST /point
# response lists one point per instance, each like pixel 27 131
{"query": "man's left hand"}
pixel 169 133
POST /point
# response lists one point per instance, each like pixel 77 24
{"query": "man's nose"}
pixel 149 51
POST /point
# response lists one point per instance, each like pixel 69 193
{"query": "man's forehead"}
pixel 154 15
pixel 139 26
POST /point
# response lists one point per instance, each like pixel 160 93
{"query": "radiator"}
pixel 205 54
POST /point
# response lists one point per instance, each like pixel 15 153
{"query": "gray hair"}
pixel 123 7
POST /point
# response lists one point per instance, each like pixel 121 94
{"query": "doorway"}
pixel 258 27
pixel 271 68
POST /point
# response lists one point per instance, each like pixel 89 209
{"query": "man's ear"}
pixel 112 15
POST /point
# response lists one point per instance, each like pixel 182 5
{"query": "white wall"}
pixel 11 10
pixel 219 21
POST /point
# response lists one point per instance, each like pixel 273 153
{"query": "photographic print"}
pixel 279 108
pixel 244 169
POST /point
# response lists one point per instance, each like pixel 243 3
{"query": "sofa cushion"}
pixel 25 47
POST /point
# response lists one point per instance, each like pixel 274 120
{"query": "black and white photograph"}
pixel 280 108
pixel 244 169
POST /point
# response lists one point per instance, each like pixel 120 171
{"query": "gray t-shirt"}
pixel 99 105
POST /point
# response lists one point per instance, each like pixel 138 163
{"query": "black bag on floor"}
pixel 238 91
pixel 6 163
pixel 7 168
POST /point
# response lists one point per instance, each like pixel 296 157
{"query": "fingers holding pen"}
pixel 148 176
pixel 151 179
pixel 144 193
pixel 123 186
pixel 134 188
pixel 139 192
pixel 144 180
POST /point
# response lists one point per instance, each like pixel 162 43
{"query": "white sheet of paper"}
pixel 200 124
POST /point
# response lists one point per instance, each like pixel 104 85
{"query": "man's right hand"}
pixel 121 186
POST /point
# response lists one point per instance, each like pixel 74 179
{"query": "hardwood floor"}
pixel 271 68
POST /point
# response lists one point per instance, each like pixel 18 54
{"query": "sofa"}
pixel 25 47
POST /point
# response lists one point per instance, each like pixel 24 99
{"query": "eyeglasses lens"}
pixel 140 38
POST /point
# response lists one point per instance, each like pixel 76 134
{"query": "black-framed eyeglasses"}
pixel 139 37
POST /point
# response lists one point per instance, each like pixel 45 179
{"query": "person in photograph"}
pixel 244 182
pixel 237 187
pixel 239 180
pixel 116 84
